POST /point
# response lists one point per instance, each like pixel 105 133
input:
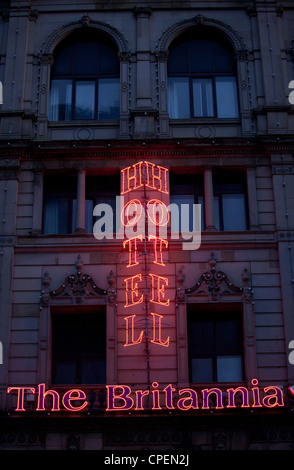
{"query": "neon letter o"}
pixel 125 212
pixel 152 214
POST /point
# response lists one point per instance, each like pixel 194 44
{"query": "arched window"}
pixel 202 77
pixel 84 79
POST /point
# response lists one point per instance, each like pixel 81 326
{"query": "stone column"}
pixel 209 200
pixel 81 201
pixel 143 114
pixel 124 94
pixel 46 62
pixel 163 94
pixel 15 70
pixel 283 185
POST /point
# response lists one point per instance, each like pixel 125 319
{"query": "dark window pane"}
pixel 229 369
pixel 201 370
pixel 63 60
pixel 203 97
pixel 228 337
pixel 65 372
pixel 60 100
pixel 200 55
pixel 185 190
pixel 226 97
pixel 179 98
pixel 108 60
pixel 86 58
pixel 79 348
pixel 200 336
pixel 85 100
pixel 230 201
pixel 181 202
pixel 215 344
pixel 223 59
pixel 234 212
pixel 59 193
pixel 104 190
pixel 108 99
pixel 56 215
pixel 93 371
pixel 179 59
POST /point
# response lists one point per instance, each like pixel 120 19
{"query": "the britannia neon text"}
pixel 122 398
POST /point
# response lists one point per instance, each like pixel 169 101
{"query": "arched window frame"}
pixel 45 63
pixel 241 57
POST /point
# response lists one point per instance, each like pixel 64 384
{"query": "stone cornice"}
pixel 28 151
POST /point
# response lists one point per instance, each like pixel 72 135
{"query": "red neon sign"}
pixel 153 177
pixel 123 398
pixel 132 291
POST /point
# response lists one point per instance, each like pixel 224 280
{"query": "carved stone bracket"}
pixel 76 286
pixel 111 289
pixel 180 295
pixel 215 283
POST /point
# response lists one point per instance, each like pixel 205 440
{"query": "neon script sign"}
pixel 123 398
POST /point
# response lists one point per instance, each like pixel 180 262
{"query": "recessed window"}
pixel 79 347
pixel 186 190
pixel 229 196
pixel 102 191
pixel 202 77
pixel 230 201
pixel 85 79
pixel 215 344
pixel 59 203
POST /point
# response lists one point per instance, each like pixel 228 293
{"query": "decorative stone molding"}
pixel 180 296
pixel 85 22
pixel 111 292
pixel 146 11
pixel 178 28
pixel 77 286
pixel 214 284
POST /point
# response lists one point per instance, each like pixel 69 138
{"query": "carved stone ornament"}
pixel 77 286
pixel 215 283
pixel 85 20
pixel 111 293
pixel 180 297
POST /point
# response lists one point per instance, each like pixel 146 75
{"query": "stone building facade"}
pixel 199 93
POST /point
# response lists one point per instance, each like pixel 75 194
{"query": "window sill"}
pixel 85 123
pixel 205 120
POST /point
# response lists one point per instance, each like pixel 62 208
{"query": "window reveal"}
pixel 215 343
pixel 85 79
pixel 202 77
pixel 79 347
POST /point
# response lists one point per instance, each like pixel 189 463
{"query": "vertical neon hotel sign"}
pixel 143 223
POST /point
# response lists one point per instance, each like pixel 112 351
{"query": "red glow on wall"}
pixel 139 177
